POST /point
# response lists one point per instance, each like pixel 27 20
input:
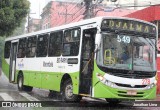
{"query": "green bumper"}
pixel 102 91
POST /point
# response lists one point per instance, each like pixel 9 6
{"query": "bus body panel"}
pixel 46 79
pixel 46 72
pixel 5 66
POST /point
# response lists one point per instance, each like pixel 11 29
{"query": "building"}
pixel 151 14
pixel 34 25
pixel 57 13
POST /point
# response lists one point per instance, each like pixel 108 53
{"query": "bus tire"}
pixel 22 87
pixel 28 88
pixel 67 92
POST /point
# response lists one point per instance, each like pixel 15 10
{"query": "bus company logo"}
pixel 20 64
pixel 47 64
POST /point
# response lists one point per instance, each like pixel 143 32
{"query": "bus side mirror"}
pixel 97 42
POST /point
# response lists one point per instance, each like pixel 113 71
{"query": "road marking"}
pixel 93 99
pixel 6 97
pixel 29 97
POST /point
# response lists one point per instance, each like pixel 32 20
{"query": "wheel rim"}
pixel 20 82
pixel 69 91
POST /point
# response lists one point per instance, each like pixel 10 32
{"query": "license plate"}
pixel 131 92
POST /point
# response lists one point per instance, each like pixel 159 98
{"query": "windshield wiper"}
pixel 150 42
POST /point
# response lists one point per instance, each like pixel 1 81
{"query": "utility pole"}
pixel 88 9
pixel 28 19
pixel 66 13
pixel 28 23
pixel 135 4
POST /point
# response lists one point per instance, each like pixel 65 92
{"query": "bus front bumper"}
pixel 103 91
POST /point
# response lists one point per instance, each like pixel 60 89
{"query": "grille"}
pixel 129 86
pixel 124 94
pixel 130 96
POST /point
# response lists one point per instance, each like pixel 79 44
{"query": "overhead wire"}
pixel 70 10
pixel 62 10
pixel 81 11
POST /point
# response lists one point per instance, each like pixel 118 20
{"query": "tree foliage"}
pixel 21 29
pixel 12 13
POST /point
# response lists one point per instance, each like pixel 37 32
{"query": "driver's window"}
pixel 109 49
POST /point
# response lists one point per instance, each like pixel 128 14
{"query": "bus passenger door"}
pixel 12 69
pixel 87 61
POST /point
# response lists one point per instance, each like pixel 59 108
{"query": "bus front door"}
pixel 87 61
pixel 12 70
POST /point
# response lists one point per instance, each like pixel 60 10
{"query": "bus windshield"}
pixel 127 52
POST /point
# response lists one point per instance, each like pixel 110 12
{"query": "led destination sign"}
pixel 128 25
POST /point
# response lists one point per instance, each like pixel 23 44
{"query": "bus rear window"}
pixel 7 49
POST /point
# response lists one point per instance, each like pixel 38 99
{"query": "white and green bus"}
pixel 104 57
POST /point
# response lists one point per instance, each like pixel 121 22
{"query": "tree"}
pixel 12 13
pixel 21 29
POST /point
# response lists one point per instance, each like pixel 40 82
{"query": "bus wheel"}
pixel 113 101
pixel 20 82
pixel 22 87
pixel 67 92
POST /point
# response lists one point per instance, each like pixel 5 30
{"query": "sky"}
pixel 37 5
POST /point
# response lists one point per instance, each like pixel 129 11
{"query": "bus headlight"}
pixel 105 81
pixel 150 86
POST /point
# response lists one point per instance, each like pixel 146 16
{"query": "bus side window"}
pixel 7 49
pixel 31 44
pixel 55 44
pixel 71 42
pixel 42 46
pixel 21 48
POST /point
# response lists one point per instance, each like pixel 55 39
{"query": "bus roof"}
pixel 75 24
